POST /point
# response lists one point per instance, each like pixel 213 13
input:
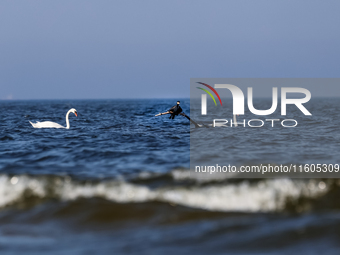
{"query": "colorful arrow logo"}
pixel 208 92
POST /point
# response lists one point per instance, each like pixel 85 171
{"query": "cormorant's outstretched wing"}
pixel 192 121
pixel 172 108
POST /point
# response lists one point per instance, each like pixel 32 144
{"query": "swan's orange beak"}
pixel 76 114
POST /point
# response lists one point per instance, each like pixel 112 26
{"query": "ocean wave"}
pixel 270 195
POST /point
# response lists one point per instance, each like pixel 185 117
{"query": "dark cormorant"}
pixel 175 110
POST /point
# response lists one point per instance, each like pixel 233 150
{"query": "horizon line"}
pixel 134 98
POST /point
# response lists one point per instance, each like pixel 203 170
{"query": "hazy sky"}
pixel 129 49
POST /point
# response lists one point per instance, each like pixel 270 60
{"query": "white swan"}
pixel 50 124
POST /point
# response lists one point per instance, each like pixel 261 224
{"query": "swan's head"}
pixel 74 111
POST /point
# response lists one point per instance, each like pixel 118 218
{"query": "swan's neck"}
pixel 67 121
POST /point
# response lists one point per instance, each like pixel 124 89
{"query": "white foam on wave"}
pixel 13 188
pixel 264 196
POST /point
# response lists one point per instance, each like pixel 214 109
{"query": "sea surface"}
pixel 118 182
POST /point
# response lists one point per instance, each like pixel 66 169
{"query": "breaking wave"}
pixel 269 195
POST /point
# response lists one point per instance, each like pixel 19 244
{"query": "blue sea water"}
pixel 109 138
pixel 117 182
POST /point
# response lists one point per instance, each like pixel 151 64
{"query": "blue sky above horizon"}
pixel 147 49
